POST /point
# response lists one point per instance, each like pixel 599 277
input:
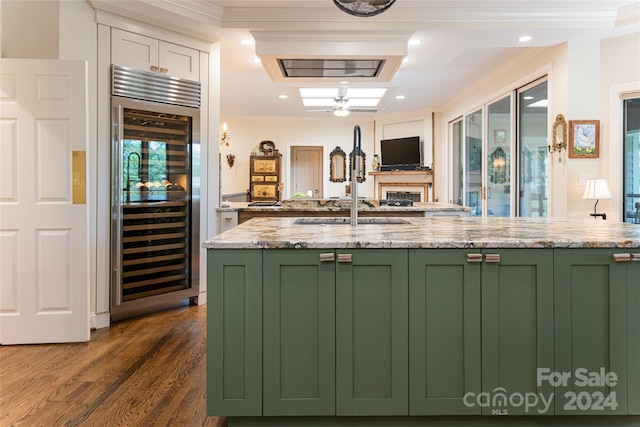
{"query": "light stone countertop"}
pixel 446 232
pixel 313 205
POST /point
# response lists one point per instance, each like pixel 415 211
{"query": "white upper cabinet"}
pixel 149 54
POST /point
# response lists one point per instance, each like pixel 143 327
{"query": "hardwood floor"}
pixel 147 371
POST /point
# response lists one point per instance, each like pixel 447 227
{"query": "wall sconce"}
pixel 596 189
pixel 224 137
pixel 231 159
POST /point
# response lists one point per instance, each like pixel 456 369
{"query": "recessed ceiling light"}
pixel 415 42
pixel 528 97
pixel 246 42
pixel 257 60
pixel 344 82
pixel 524 39
pixel 405 59
pixel 400 97
pixel 283 96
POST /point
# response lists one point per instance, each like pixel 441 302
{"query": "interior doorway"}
pixel 306 171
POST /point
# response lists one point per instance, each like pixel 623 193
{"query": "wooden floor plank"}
pixel 148 371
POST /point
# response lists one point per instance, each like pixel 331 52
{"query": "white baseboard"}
pixel 202 298
pixel 99 320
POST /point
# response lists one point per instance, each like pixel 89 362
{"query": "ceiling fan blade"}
pixel 320 111
pixel 364 110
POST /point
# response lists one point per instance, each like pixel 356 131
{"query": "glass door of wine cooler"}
pixel 153 218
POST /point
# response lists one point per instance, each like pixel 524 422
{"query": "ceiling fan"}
pixel 341 108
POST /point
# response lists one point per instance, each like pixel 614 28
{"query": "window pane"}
pixel 473 162
pixel 632 160
pixel 499 158
pixel 533 181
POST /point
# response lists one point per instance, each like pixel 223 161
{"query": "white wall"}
pixel 30 29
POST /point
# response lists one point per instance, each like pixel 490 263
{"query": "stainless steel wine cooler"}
pixel 155 191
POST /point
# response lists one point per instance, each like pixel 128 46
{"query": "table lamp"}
pixel 597 189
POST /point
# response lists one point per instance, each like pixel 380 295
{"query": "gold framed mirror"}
pixel 337 165
pixel 560 131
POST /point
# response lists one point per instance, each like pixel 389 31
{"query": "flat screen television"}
pixel 400 152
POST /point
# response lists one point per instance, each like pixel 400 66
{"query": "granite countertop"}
pixel 312 205
pixel 465 232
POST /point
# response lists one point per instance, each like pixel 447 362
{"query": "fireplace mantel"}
pixel 404 180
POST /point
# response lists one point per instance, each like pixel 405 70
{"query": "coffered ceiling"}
pixel 458 42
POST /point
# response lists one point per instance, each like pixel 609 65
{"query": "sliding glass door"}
pixel 473 176
pixel 486 175
pixel 532 150
pixel 457 169
pixel 498 170
pixel 631 162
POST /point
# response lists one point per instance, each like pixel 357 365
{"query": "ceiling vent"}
pixel 364 56
pixel 321 68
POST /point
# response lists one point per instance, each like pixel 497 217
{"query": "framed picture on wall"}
pixel 584 139
pixel 500 136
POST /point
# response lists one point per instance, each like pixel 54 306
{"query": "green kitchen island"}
pixel 422 321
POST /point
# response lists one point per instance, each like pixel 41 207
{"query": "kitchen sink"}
pixel 341 220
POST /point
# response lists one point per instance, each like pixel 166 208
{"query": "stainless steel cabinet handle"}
pixel 164 70
pixel 154 68
pixel 474 257
pixel 621 257
pixel 492 257
pixel 345 257
pixel 327 257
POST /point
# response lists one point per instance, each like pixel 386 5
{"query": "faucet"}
pixel 355 173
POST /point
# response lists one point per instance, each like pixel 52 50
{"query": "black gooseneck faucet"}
pixel 355 173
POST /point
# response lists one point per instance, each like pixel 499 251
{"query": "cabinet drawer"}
pixel 268 191
pixel 227 220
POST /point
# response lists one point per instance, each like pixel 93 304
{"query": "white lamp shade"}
pixel 596 189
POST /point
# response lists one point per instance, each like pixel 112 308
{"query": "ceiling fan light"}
pixel 363 8
pixel 341 112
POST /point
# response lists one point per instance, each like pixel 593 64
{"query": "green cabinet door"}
pixel 590 330
pixel 371 332
pixel 444 331
pixel 299 333
pixel 633 325
pixel 517 330
pixel 234 332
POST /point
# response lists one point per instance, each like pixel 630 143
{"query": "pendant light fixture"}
pixel 364 8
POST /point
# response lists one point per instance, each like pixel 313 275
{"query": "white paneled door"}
pixel 44 252
pixel 306 171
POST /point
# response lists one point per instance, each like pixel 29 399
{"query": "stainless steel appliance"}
pixel 155 191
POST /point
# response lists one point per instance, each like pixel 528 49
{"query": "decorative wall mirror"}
pixel 361 168
pixel 559 134
pixel 338 165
